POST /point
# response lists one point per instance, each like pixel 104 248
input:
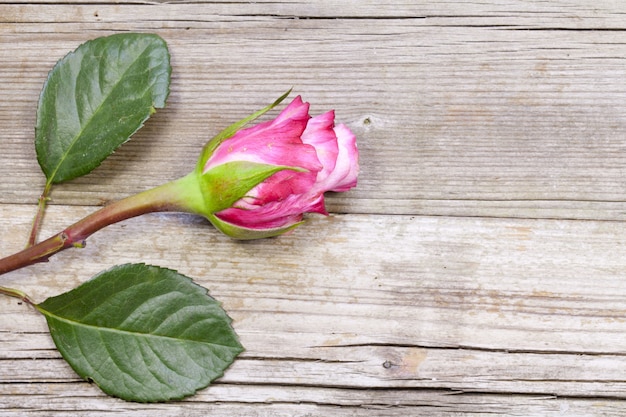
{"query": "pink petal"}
pixel 276 142
pixel 344 176
pixel 276 146
pixel 349 156
pixel 319 133
pixel 281 185
pixel 295 110
pixel 252 220
pixel 274 214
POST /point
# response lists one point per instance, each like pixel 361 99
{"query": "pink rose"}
pixel 250 183
pixel 278 170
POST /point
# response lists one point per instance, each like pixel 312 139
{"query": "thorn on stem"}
pixel 80 244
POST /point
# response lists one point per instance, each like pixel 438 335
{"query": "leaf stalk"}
pixel 38 219
pixel 16 294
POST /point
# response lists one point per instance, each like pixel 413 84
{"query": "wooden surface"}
pixel 477 269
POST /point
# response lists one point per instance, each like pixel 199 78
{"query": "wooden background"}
pixel 478 267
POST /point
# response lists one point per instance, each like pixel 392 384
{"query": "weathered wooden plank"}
pixel 457 114
pixel 393 369
pixel 573 14
pixel 253 400
pixel 465 274
pixel 364 301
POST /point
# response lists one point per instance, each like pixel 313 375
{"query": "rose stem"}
pixel 172 196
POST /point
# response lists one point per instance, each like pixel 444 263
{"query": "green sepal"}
pixel 243 233
pixel 225 184
pixel 228 132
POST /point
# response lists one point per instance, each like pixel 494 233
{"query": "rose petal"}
pixel 297 109
pixel 276 142
pixel 344 176
pixel 320 134
pixel 274 214
pixel 281 185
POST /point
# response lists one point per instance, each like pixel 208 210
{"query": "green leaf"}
pixel 95 98
pixel 142 333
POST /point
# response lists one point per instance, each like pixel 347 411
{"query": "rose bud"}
pixel 259 181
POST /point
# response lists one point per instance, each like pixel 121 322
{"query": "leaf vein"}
pixel 130 333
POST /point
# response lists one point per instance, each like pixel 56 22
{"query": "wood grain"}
pixel 475 270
